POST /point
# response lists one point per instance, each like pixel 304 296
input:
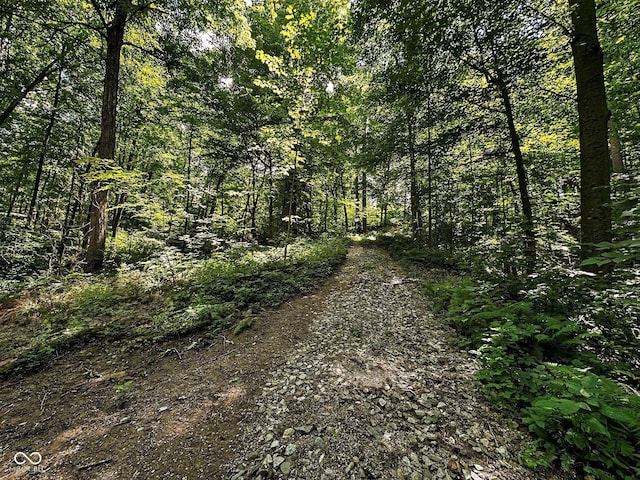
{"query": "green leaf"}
pixel 621 415
pixel 593 425
pixel 568 407
pixel 598 261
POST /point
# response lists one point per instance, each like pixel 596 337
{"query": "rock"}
pixel 290 450
pixel 285 468
pixel 395 395
pixel 374 433
pixel 305 429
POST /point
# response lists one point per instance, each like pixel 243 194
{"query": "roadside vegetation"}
pixel 559 351
pixel 168 293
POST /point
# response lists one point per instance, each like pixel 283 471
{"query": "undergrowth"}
pixel 559 350
pixel 168 295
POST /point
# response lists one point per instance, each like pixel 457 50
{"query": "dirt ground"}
pixel 180 415
pixel 227 406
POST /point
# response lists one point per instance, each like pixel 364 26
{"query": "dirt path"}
pixel 355 381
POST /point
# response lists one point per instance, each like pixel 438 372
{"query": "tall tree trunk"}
pixel 593 115
pixel 530 251
pixel 188 199
pixel 39 215
pixel 255 200
pixel 416 217
pixel 344 204
pixel 45 145
pixel 334 202
pixel 118 212
pixel 270 208
pixel 364 202
pixel 71 211
pixel 14 195
pixel 291 202
pixel 617 153
pixel 325 214
pixel 357 220
pixel 429 178
pixel 106 150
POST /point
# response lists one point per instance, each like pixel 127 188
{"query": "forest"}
pixel 170 168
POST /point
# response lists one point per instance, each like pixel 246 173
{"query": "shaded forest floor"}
pixel 357 380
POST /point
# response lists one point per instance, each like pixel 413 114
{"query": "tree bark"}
pixel 357 221
pixel 344 204
pixel 45 144
pixel 593 115
pixel 429 178
pixel 291 201
pixel 272 227
pixel 187 206
pixel 364 202
pixel 530 251
pixel 617 152
pixel 14 195
pixel 106 150
pixel 416 217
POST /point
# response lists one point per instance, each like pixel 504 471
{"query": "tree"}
pixel 593 115
pixel 114 32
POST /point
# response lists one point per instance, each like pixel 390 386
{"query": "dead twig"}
pixel 94 464
pixel 8 408
pixel 44 397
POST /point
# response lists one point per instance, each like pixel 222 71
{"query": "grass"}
pixel 166 297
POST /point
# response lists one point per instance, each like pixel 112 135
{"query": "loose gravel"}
pixel 377 391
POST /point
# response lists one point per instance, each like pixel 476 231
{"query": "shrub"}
pixel 131 248
pixel 590 418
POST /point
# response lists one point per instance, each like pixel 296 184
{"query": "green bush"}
pixel 590 418
pixel 413 252
pixel 130 248
pixel 443 293
pixel 555 367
